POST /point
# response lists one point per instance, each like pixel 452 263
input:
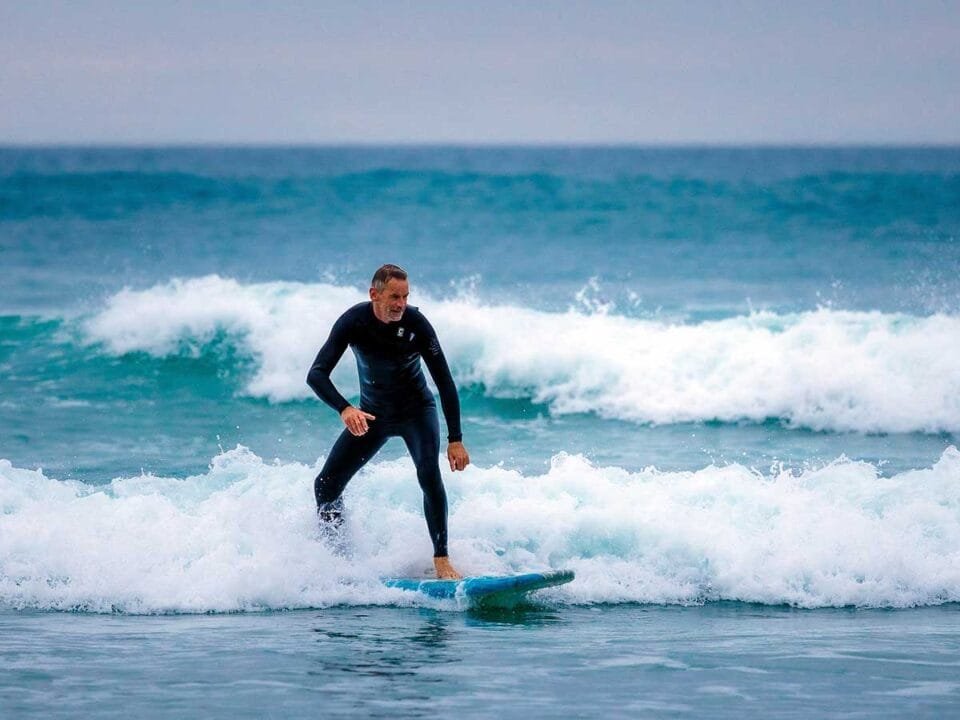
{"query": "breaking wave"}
pixel 825 369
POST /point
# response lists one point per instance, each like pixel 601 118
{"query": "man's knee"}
pixel 429 478
pixel 327 488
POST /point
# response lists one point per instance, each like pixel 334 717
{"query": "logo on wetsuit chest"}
pixel 400 334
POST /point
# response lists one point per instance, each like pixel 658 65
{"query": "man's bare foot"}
pixel 445 570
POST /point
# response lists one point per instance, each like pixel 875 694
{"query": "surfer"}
pixel 388 338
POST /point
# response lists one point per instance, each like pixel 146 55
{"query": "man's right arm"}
pixel 319 376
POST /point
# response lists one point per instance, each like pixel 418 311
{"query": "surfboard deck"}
pixel 483 589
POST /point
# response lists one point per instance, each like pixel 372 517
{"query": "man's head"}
pixel 388 292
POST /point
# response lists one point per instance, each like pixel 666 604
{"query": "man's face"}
pixel 389 303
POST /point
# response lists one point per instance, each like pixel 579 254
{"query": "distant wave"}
pixel 242 536
pixel 866 199
pixel 824 369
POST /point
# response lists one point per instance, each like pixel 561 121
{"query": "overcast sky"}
pixel 797 71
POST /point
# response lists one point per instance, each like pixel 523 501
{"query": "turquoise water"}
pixel 719 384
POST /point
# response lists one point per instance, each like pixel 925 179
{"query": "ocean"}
pixel 720 384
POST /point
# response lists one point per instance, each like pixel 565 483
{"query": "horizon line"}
pixel 480 145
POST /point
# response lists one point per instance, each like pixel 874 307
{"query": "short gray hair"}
pixel 386 273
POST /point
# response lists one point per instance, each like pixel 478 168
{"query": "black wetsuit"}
pixel 394 390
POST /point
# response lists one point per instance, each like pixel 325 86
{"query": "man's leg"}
pixel 422 436
pixel 349 454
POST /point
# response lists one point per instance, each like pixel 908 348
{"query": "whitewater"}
pixel 243 536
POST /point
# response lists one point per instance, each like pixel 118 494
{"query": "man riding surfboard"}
pixel 389 338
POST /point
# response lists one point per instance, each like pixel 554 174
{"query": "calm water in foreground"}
pixel 720 660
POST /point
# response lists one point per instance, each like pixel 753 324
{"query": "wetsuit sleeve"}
pixel 319 376
pixel 433 356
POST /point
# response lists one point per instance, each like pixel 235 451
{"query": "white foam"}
pixel 242 535
pixel 824 369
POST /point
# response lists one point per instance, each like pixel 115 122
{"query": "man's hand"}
pixel 457 455
pixel 356 420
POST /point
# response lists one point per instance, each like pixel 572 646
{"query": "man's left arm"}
pixel 436 362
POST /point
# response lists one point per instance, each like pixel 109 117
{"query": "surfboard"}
pixel 483 589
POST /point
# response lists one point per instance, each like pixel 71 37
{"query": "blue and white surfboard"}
pixel 483 588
